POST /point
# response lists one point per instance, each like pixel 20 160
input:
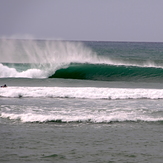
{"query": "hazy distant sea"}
pixel 76 102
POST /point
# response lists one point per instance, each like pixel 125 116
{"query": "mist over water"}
pixel 44 57
pixel 32 51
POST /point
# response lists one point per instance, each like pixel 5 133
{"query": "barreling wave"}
pixel 106 72
pixel 73 60
pixel 86 71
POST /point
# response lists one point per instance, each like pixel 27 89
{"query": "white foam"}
pixel 81 92
pixel 79 115
pixel 30 73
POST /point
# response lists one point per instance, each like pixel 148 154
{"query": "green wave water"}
pixel 106 72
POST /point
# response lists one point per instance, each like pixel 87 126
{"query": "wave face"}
pixel 109 72
pixel 81 60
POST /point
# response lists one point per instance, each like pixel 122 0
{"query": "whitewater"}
pixel 81 92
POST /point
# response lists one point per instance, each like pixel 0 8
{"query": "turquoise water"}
pixel 81 101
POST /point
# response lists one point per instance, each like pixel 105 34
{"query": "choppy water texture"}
pixel 81 101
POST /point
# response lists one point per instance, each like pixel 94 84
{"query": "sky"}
pixel 83 20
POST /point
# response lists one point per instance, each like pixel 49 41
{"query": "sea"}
pixel 81 101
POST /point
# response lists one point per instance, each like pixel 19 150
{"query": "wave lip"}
pixel 81 92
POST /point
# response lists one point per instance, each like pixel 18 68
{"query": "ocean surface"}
pixel 81 101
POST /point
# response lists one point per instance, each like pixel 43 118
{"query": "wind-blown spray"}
pixel 42 57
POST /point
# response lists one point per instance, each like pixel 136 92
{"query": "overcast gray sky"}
pixel 99 20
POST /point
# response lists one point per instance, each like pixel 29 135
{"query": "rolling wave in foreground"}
pixel 81 93
pixel 73 60
pixel 82 115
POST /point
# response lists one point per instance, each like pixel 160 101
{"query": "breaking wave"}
pixel 74 60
